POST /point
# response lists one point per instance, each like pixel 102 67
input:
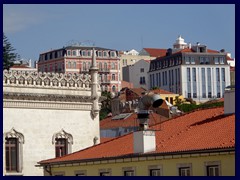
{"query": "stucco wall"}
pixel 168 165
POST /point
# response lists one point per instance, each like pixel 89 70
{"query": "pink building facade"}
pixel 77 59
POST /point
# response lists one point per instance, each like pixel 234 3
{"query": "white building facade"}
pixel 194 72
pixel 137 74
pixel 47 115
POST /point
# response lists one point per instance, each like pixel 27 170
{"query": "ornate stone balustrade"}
pixel 39 79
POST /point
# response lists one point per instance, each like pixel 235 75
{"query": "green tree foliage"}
pixel 8 55
pixel 106 105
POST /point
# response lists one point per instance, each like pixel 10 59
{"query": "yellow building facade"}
pixel 196 164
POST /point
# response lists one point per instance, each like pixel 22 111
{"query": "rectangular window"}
pixel 213 170
pixel 105 54
pixel 112 54
pixel 141 70
pixel 99 53
pixel 61 147
pixel 184 171
pixel 84 53
pixel 192 60
pixel 221 60
pixel 74 53
pixel 11 149
pixel 155 172
pixel 69 53
pixel 104 174
pixel 129 173
pixel 216 60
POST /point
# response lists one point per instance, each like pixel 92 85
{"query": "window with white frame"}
pixel 184 169
pixel 69 53
pixel 128 171
pixel 105 54
pixel 155 170
pixel 216 60
pixel 80 173
pixel 84 53
pixel 13 141
pixel 113 77
pixel 89 53
pixel 192 60
pixel 69 64
pixel 221 60
pixel 74 65
pixel 99 53
pixel 74 53
pixel 113 65
pixel 112 53
pixel 105 172
pixel 213 168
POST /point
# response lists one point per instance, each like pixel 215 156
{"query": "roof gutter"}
pixel 216 150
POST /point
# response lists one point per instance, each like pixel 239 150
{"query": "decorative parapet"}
pixel 39 79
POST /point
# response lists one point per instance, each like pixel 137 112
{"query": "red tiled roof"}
pixel 199 130
pixel 138 91
pixel 105 139
pixel 161 91
pixel 20 66
pixel 154 52
pixel 212 51
pixel 131 121
pixel 230 59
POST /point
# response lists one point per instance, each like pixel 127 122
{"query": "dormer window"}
pixel 89 53
pixel 105 54
pixel 74 53
pixel 112 54
pixel 84 53
pixel 99 53
pixel 69 53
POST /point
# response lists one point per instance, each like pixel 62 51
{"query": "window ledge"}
pixel 14 174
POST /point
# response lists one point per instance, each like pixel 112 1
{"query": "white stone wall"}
pixel 38 127
pixel 39 110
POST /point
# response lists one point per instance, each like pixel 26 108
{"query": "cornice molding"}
pixel 48 105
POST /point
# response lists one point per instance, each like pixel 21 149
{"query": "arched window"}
pixel 100 66
pixel 84 66
pixel 13 151
pixel 113 88
pixel 113 65
pixel 105 66
pixel 113 77
pixel 74 65
pixel 63 143
pixel 69 64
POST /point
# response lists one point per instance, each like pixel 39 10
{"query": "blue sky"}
pixel 36 28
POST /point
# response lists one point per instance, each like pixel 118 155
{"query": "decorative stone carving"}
pixel 14 134
pixel 62 134
pixel 32 78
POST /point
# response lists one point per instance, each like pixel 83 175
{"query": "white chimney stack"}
pixel 144 141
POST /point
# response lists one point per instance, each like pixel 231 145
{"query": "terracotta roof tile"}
pixel 154 52
pixel 161 91
pixel 199 130
pixel 130 121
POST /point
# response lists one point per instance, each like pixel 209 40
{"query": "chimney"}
pixel 229 102
pixel 144 140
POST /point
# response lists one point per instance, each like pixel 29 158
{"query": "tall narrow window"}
pixel 63 142
pixel 61 147
pixel 113 77
pixel 13 151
